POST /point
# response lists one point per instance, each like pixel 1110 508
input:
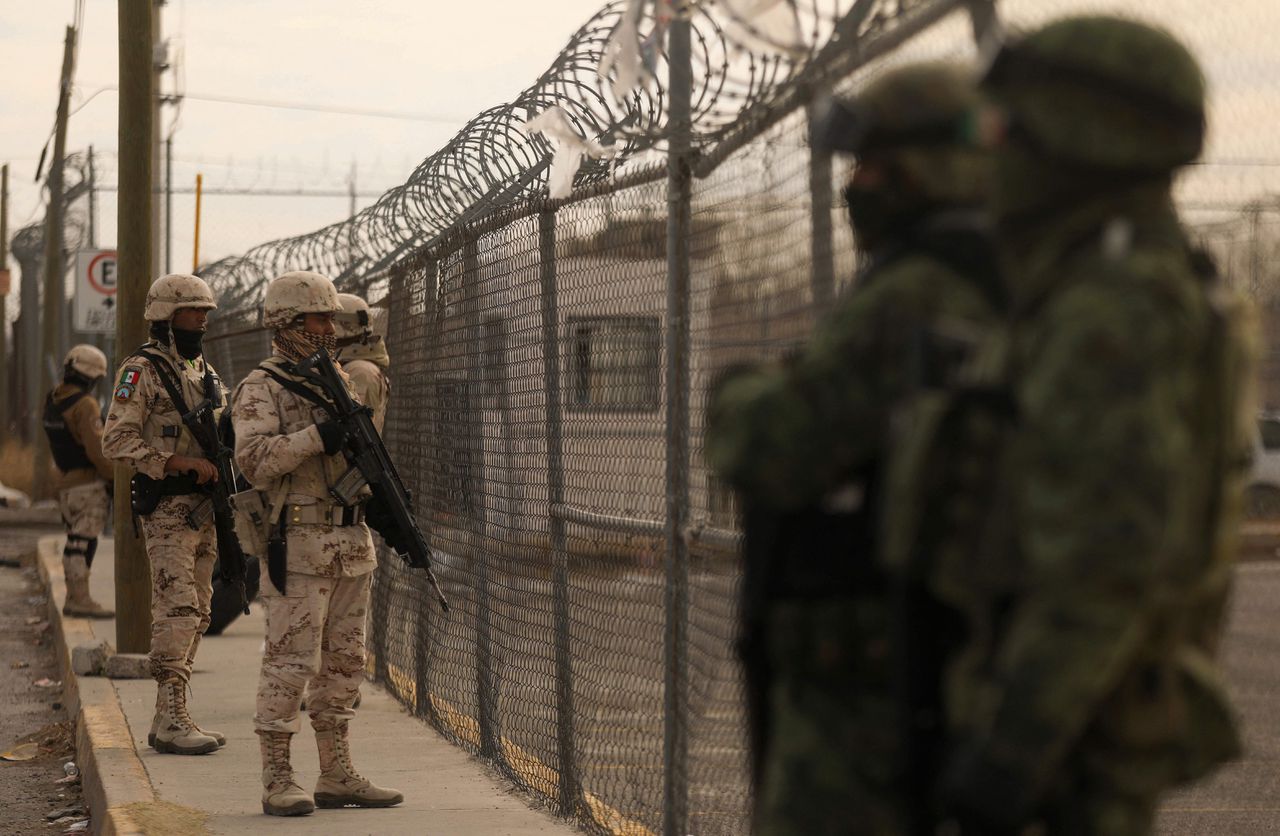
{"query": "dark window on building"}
pixel 613 363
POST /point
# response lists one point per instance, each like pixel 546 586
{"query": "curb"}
pixel 112 776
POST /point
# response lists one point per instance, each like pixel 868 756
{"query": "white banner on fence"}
pixel 95 299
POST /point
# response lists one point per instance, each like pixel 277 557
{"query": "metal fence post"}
pixel 486 690
pixel 567 764
pixel 404 300
pixel 821 254
pixel 675 748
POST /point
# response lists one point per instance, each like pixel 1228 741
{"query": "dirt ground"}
pixel 33 714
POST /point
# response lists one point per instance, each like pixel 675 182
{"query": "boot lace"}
pixel 343 753
pixel 178 699
pixel 278 759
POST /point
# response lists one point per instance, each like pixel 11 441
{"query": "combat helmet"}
pixel 1102 92
pixel 295 293
pixel 920 115
pixel 175 291
pixel 86 361
pixel 355 323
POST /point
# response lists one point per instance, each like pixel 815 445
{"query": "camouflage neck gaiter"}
pixel 295 344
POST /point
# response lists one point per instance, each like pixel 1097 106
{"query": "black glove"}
pixel 334 435
pixel 983 794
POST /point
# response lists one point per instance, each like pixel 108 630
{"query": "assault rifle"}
pixel 200 423
pixel 389 511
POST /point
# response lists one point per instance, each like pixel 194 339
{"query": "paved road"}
pixel 1244 798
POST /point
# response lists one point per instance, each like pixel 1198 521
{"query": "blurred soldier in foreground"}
pixel 1089 685
pixel 363 355
pixel 159 383
pixel 804 444
pixel 319 555
pixel 73 423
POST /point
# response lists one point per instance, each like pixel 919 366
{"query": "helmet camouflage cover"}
pixel 175 291
pixel 87 361
pixel 296 293
pixel 356 320
pixel 1103 92
pixel 920 115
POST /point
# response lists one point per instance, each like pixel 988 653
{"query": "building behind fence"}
pixel 550 367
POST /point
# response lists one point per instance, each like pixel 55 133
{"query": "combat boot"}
pixel 155 724
pixel 281 795
pixel 78 602
pixel 175 733
pixel 191 660
pixel 339 784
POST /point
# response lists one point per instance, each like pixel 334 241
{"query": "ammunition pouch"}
pixel 145 493
pixel 252 521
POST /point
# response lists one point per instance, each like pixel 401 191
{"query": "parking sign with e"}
pixel 95 297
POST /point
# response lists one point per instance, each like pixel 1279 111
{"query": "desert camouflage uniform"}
pixel 316 627
pixel 369 383
pixel 143 430
pixel 362 351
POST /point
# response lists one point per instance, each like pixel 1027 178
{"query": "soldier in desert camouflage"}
pixel 73 423
pixel 319 556
pixel 363 355
pixel 144 430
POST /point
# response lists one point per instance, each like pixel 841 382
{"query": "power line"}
pixel 280 104
pixel 261 192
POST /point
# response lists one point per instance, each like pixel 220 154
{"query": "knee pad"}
pixel 78 546
pixel 90 549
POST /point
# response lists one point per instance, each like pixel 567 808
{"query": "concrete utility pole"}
pixel 136 269
pixel 55 290
pixel 6 398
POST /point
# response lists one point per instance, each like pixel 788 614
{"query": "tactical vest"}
pixel 68 453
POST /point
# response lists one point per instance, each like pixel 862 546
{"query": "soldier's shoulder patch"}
pixel 124 391
pixel 130 375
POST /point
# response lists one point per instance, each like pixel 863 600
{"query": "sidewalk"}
pixel 133 790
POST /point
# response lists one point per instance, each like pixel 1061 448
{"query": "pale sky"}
pixel 442 58
pixel 449 60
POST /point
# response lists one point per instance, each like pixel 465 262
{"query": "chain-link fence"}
pixel 550 364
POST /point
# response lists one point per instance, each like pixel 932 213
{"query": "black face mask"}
pixel 187 342
pixel 881 215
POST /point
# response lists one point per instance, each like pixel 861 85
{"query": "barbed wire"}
pixel 27 244
pixel 741 70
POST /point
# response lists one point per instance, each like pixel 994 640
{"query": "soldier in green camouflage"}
pixel 1088 686
pixel 804 442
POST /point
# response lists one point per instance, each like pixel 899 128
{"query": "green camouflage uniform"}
pixel 803 443
pixel 1088 686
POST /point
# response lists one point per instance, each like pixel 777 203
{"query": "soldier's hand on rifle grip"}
pixel 333 435
pixel 203 469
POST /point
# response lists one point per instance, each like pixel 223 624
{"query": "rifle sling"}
pixel 301 390
pixel 159 364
